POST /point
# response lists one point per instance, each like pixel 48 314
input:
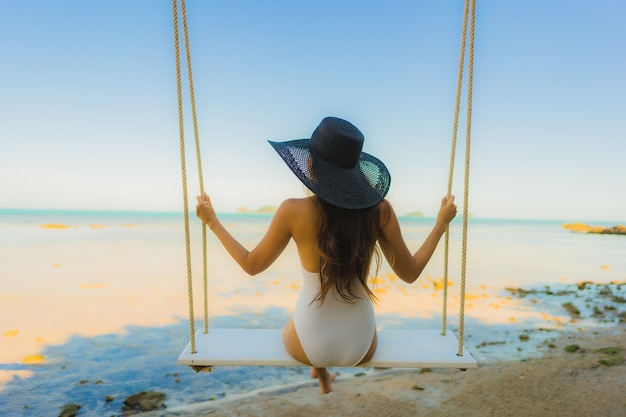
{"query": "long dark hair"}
pixel 347 241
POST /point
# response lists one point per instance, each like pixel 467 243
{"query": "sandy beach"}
pixel 93 309
pixel 561 383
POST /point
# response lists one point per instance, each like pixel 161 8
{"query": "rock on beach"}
pixel 585 228
pixel 143 401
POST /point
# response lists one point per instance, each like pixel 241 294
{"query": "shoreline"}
pixel 557 383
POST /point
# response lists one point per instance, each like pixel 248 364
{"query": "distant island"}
pixel 260 210
pixel 600 230
pixel 415 214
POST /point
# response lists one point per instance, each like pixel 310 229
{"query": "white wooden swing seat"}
pixel 264 347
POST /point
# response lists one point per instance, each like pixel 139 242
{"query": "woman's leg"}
pixel 294 348
pixel 370 353
pixel 292 343
pixel 324 377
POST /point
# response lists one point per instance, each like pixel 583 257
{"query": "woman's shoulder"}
pixel 386 212
pixel 296 207
pixel 385 208
pixel 298 203
pixel 302 216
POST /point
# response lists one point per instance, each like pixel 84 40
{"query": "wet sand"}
pixel 560 383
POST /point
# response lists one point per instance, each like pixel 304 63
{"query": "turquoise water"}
pixel 131 266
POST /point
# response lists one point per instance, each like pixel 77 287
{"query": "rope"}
pixel 196 136
pixel 468 135
pixel 471 16
pixel 455 129
pixel 181 130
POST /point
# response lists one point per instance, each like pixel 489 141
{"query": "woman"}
pixel 336 231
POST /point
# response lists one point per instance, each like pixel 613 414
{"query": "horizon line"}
pixel 13 210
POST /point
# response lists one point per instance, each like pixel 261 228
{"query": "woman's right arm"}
pixel 408 266
pixel 266 251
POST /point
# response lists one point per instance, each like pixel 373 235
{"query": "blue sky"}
pixel 88 101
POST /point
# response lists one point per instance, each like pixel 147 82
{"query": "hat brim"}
pixel 362 186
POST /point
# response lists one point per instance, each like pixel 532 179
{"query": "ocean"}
pixel 94 306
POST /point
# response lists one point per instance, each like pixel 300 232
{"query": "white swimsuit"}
pixel 335 332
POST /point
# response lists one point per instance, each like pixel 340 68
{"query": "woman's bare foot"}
pixel 326 378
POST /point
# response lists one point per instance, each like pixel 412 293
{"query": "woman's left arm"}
pixel 267 250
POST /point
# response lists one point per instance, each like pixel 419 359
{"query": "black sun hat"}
pixel 332 165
